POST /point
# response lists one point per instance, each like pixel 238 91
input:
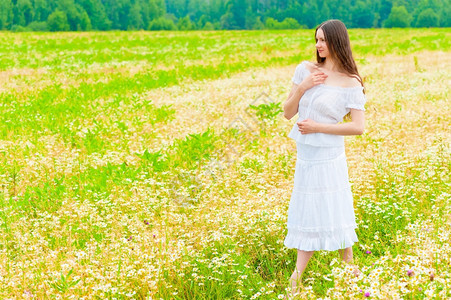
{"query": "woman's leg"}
pixel 346 255
pixel 301 263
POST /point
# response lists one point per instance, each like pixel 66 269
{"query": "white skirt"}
pixel 321 212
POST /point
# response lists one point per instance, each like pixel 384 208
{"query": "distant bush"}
pixel 37 26
pixel 185 24
pixel 162 24
pixel 209 26
pixel 18 28
pixel 287 23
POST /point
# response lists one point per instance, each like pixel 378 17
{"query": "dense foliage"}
pixel 82 15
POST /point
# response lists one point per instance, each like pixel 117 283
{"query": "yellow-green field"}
pixel 156 165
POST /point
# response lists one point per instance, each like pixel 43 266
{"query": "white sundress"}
pixel 321 212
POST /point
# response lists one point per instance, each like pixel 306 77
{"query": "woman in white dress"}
pixel 321 212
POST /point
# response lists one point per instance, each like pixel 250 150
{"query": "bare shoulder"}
pixel 351 81
pixel 310 66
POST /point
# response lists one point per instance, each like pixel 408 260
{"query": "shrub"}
pixel 162 24
pixel 37 26
pixel 287 23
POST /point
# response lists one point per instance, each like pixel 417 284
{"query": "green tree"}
pixel 311 13
pixel 178 7
pixel 6 13
pixel 445 20
pixel 398 17
pixel 197 8
pixel 228 21
pixel 220 14
pixel 41 10
pixel 252 21
pixel 157 8
pixel 85 21
pixel 22 13
pixel 77 17
pixel 427 18
pixel 27 10
pixel 96 13
pixel 384 10
pixel 117 12
pixel 325 11
pixel 258 24
pixel 271 23
pixel 69 8
pixel 236 14
pixel 341 11
pixel 135 20
pixel 362 16
pixel 295 11
pixel 150 10
pixel 202 21
pixel 216 10
pixel 57 21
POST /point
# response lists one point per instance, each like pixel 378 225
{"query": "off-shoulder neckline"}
pixel 360 88
pixel 334 86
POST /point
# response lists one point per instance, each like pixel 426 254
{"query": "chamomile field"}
pixel 156 165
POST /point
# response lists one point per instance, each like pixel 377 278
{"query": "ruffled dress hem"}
pixel 329 240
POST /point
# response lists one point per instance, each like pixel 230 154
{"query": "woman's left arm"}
pixel 355 127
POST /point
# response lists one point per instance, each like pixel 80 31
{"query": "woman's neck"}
pixel 330 65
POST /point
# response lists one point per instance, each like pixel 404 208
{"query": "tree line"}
pixel 85 15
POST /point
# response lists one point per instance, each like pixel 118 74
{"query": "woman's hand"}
pixel 308 126
pixel 313 79
pixel 355 127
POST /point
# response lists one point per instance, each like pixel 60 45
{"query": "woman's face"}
pixel 321 45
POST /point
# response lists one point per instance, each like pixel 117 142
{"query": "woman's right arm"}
pixel 291 106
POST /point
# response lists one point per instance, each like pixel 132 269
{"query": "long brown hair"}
pixel 337 40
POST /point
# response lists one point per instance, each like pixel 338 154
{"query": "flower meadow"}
pixel 156 165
